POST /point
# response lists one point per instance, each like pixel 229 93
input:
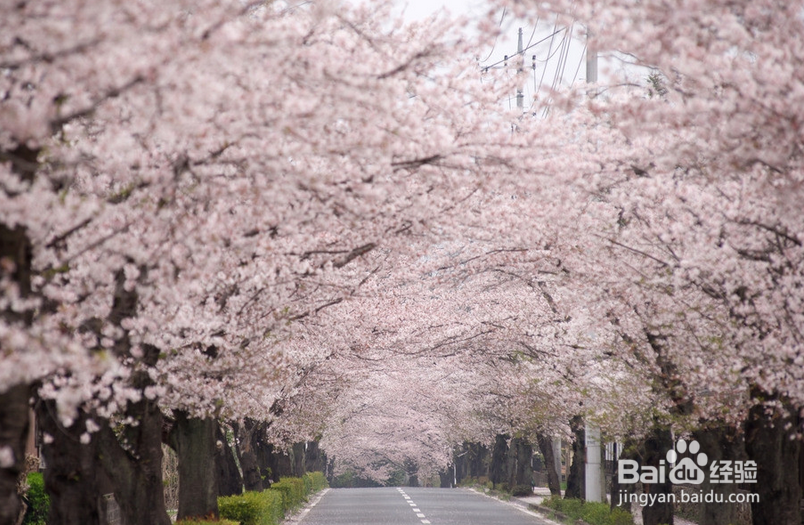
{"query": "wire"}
pixel 562 58
pixel 533 33
pixel 549 49
pixel 583 55
pixel 530 46
pixel 550 56
pixel 496 37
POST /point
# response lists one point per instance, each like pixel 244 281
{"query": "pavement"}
pixel 403 506
pixel 414 506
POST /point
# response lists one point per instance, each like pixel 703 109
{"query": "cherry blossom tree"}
pixel 317 220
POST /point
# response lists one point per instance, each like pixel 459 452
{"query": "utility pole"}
pixel 520 96
pixel 591 60
pixel 594 474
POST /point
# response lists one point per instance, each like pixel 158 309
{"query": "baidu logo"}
pixel 688 469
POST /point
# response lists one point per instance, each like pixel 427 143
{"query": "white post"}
pixel 591 61
pixel 594 489
pixel 520 96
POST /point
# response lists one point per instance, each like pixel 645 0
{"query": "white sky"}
pixel 557 60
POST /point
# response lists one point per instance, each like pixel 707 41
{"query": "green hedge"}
pixel 37 500
pixel 253 508
pixel 270 507
pixel 293 492
pixel 318 481
pixel 589 511
pixel 206 522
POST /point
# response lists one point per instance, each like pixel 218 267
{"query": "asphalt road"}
pixel 414 506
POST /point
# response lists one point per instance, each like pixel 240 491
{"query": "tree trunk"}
pixel 719 443
pixel 13 434
pixel 445 478
pixel 133 462
pixel 252 479
pixel 621 494
pixel 546 448
pixel 477 459
pixel 198 481
pixel 460 464
pixel 497 469
pixel 315 460
pixel 771 442
pixel 274 462
pixel 299 455
pixel 412 470
pixel 230 482
pixel 131 455
pixel 577 474
pixel 520 471
pixel 15 248
pixel 72 473
pixel 656 446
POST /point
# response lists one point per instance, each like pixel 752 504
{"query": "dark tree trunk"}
pixel 445 479
pixel 719 443
pixel 298 465
pixel 274 462
pixel 520 471
pixel 252 479
pixel 771 442
pixel 315 460
pixel 15 247
pixel 621 494
pixel 577 474
pixel 198 481
pixel 133 461
pixel 131 454
pixel 497 469
pixel 412 470
pixel 656 446
pixel 13 433
pixel 72 473
pixel 477 459
pixel 461 463
pixel 230 482
pixel 546 447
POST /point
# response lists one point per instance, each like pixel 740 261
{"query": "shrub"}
pixel 308 484
pixel 253 508
pixel 37 500
pixel 270 506
pixel 292 490
pixel 595 513
pixel 591 512
pixel 193 521
pixel 620 517
pixel 522 490
pixel 318 481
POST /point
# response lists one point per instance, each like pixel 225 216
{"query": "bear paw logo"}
pixel 687 470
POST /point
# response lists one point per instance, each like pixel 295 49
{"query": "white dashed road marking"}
pixel 419 513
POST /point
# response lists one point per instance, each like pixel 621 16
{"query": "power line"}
pixel 555 32
pixel 497 37
pixel 523 50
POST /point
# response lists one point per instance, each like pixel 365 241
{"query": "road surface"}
pixel 414 506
